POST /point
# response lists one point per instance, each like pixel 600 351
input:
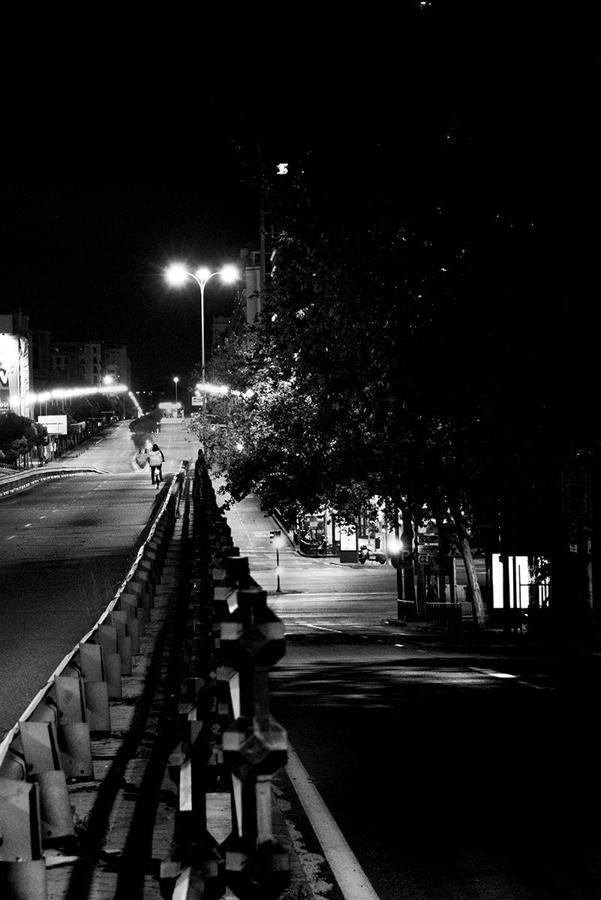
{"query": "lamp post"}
pixel 278 540
pixel 176 275
pixel 175 381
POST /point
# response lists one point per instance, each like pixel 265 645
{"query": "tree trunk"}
pixel 407 537
pixel 466 553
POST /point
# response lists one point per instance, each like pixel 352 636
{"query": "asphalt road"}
pixel 65 547
pixel 454 772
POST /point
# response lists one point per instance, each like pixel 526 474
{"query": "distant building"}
pixel 65 363
pixel 117 363
pixel 91 362
pixel 250 261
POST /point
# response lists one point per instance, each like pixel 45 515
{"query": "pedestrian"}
pixel 156 460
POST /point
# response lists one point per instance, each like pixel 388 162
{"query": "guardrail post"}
pixel 95 687
pixel 254 746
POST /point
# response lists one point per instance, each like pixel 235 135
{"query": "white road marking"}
pixel 28 525
pixel 320 627
pixel 42 517
pixel 11 538
pixel 492 673
pixel 351 878
pixel 337 595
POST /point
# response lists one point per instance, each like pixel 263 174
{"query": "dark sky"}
pixel 127 141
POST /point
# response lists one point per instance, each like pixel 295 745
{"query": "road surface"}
pixel 453 772
pixel 65 547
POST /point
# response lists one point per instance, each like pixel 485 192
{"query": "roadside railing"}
pixel 228 741
pixel 49 746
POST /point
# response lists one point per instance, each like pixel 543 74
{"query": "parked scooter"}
pixel 376 555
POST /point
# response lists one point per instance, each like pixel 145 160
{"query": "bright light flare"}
pixel 229 274
pixel 394 545
pixel 177 274
pixel 203 274
pixel 219 389
pixel 67 393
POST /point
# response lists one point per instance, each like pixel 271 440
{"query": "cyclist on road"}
pixel 156 460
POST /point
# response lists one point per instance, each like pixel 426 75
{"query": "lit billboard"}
pixel 14 374
pixel 9 373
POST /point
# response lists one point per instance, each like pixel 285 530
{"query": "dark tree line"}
pixel 424 338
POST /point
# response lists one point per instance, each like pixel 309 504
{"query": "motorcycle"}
pixel 376 555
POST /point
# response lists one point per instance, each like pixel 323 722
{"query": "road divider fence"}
pixel 228 745
pixel 19 481
pixel 50 746
pixel 222 745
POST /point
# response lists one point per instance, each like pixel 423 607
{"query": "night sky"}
pixel 130 149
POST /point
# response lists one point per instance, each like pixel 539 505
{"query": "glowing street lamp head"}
pixel 108 379
pixel 203 274
pixel 176 379
pixel 229 274
pixel 176 274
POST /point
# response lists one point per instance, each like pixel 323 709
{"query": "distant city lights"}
pixel 222 390
pixel 76 392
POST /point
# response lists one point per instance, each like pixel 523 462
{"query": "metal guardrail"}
pixel 228 741
pixel 21 480
pixel 222 737
pixel 50 744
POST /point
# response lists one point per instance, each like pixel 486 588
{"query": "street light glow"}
pixel 212 388
pixel 176 274
pixel 203 274
pixel 394 545
pixel 229 274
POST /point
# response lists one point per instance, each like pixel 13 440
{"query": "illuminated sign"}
pixel 54 424
pixel 9 372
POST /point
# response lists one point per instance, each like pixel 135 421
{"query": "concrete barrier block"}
pixel 112 668
pixel 76 750
pixel 98 711
pixel 19 821
pixel 40 746
pixel 23 880
pixel 90 658
pixel 55 807
pixel 69 699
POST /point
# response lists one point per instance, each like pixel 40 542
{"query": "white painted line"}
pixel 28 525
pixel 42 517
pixel 492 673
pixel 11 538
pixel 351 878
pixel 336 595
pixel 320 627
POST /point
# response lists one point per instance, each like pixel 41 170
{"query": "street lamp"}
pixel 175 381
pixel 176 275
pixel 279 541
